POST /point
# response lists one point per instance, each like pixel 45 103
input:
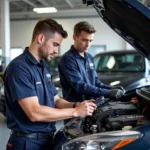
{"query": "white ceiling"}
pixel 23 9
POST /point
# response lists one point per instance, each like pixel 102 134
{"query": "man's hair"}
pixel 48 27
pixel 83 26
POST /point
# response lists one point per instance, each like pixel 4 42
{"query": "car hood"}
pixel 129 18
pixel 127 80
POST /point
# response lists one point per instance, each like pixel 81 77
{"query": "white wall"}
pixel 21 33
pixel 129 47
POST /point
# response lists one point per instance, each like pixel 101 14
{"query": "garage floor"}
pixel 5 132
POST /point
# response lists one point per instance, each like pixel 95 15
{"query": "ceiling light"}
pixel 45 10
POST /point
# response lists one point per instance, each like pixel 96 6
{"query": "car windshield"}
pixel 119 62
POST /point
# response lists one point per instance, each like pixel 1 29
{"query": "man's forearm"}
pixel 41 113
pixel 48 114
pixel 61 103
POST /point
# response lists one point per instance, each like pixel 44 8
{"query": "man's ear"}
pixel 74 37
pixel 40 38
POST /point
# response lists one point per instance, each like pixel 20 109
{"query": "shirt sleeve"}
pixel 70 69
pixel 19 82
pixel 100 84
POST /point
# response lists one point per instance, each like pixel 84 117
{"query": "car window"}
pixel 96 61
pixel 119 62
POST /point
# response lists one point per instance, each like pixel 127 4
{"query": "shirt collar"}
pixel 31 58
pixel 76 53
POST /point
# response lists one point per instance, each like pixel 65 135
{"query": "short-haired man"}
pixel 78 76
pixel 32 104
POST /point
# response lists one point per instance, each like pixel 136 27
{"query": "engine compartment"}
pixel 129 112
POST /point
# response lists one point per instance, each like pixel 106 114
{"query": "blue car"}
pixel 122 124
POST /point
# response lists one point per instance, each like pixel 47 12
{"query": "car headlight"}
pixel 103 141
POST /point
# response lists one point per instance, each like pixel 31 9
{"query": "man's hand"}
pixel 86 108
pixel 116 93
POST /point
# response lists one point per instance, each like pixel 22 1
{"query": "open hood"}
pixel 129 18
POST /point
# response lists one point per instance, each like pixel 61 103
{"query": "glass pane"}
pixel 96 61
pixel 120 62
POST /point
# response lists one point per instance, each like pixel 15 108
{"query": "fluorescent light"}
pixel 45 10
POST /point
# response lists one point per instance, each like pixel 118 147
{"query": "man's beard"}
pixel 42 55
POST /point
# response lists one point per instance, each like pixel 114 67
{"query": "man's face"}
pixel 83 41
pixel 50 47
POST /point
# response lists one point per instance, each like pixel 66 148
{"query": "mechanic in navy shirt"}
pixel 32 104
pixel 78 76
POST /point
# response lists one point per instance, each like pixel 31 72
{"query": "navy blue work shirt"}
pixel 78 77
pixel 26 77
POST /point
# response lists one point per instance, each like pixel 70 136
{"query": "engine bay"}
pixel 129 112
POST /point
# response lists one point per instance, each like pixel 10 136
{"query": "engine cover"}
pixel 117 123
pixel 115 109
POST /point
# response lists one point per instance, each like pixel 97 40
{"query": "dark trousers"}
pixel 25 143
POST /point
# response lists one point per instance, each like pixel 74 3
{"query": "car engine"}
pixel 130 111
